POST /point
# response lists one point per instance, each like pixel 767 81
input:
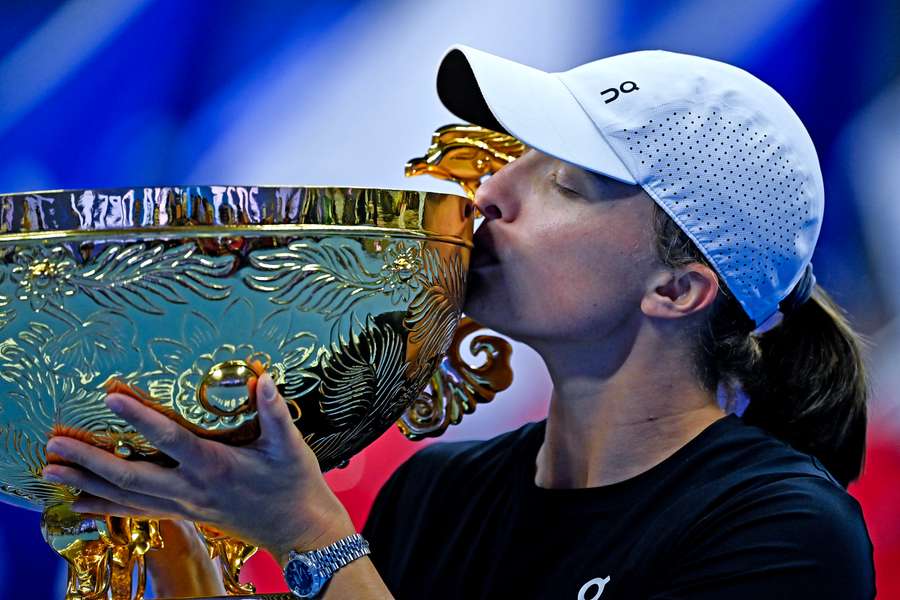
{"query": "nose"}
pixel 496 198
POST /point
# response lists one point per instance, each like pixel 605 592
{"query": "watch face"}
pixel 304 576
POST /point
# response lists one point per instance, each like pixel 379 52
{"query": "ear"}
pixel 682 292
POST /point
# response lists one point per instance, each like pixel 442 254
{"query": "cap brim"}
pixel 534 106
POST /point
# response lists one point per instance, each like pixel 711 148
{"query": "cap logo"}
pixel 631 86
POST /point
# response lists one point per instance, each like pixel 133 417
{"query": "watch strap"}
pixel 341 552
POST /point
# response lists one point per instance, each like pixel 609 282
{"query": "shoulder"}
pixel 763 479
pixel 773 518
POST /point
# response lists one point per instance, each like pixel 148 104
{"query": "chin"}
pixel 489 304
pixel 481 303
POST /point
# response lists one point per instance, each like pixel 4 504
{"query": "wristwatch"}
pixel 306 573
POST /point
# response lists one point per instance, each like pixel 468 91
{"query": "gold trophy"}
pixel 350 298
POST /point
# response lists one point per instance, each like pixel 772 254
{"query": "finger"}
pixel 275 423
pixel 99 487
pixel 161 431
pixel 87 503
pixel 141 477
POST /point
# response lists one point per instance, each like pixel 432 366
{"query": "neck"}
pixel 606 428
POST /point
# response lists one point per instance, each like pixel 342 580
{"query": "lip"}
pixel 484 252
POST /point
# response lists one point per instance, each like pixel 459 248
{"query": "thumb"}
pixel 276 427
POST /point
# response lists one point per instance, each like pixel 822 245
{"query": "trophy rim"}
pixel 196 211
pixel 267 186
pixel 200 231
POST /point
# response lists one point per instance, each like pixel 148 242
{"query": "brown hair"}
pixel 805 378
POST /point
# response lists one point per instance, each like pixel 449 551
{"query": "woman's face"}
pixel 563 254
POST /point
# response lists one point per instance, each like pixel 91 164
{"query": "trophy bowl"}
pixel 351 299
pixel 348 297
pixel 183 296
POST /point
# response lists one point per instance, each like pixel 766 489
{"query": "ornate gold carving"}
pixel 232 554
pixel 231 335
pixel 131 540
pixel 466 154
pixel 363 382
pixel 101 552
pixel 457 388
pixel 435 312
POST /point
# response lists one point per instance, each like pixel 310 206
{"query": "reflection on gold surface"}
pixel 233 554
pixel 102 552
pixel 466 154
pixel 456 387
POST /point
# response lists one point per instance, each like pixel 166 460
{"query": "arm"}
pixel 359 579
pixel 183 568
pixel 277 497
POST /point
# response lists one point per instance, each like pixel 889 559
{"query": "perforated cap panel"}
pixel 734 187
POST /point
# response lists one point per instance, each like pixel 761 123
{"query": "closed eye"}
pixel 567 191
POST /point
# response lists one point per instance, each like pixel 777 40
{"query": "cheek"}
pixel 583 274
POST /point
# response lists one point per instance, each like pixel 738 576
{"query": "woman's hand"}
pixel 270 493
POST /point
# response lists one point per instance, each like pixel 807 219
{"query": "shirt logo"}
pixel 599 583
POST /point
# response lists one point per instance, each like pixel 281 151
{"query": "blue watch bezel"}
pixel 311 569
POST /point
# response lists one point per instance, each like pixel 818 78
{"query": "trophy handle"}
pixel 465 154
pixel 233 554
pixel 456 388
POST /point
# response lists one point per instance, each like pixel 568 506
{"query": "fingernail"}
pixel 114 403
pixel 267 393
pixel 51 477
pixel 55 447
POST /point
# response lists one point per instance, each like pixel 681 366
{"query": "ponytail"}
pixel 805 379
pixel 810 387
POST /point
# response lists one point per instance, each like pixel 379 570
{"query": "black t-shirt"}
pixel 733 514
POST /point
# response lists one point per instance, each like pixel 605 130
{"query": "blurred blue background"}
pixel 105 93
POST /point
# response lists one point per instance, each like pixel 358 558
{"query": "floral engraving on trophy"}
pixel 434 314
pixel 204 374
pixel 370 378
pixel 146 277
pixel 43 275
pixel 86 350
pixel 21 462
pixel 138 276
pixel 363 379
pixel 62 363
pixel 401 268
pixel 7 312
pixel 331 279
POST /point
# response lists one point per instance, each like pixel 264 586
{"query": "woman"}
pixel 654 247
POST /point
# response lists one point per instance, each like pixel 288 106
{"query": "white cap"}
pixel 719 150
